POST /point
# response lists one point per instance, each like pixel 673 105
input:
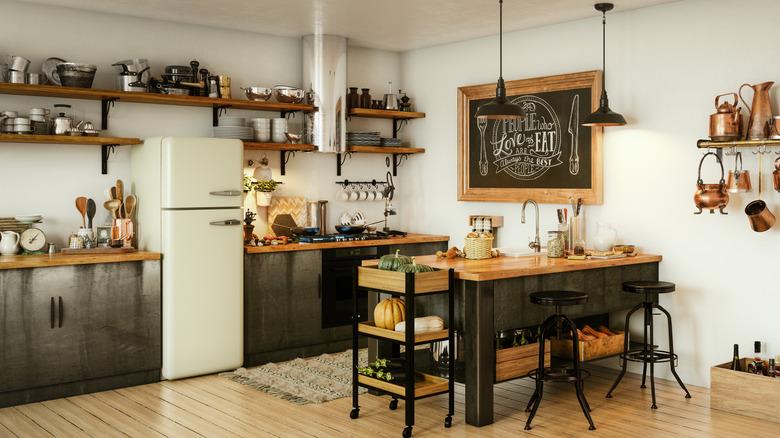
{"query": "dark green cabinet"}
pixel 73 324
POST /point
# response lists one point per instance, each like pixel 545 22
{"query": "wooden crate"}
pixel 590 350
pixel 744 393
pixel 371 277
pixel 515 362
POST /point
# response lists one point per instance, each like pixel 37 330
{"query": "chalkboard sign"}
pixel 548 156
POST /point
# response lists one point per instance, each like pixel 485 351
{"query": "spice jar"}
pixel 353 98
pixel 365 98
pixel 555 244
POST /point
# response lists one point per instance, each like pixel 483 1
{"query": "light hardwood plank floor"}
pixel 212 406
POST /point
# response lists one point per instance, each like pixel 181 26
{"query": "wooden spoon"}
pixel 130 202
pixel 120 192
pixel 112 205
pixel 91 207
pixel 112 192
pixel 81 206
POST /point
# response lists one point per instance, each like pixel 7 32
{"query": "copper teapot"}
pixel 760 111
pixel 711 196
pixel 726 123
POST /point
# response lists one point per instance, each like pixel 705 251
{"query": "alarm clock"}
pixel 32 240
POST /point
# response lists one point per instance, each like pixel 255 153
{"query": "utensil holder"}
pixel 577 233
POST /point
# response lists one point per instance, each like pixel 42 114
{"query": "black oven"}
pixel 338 271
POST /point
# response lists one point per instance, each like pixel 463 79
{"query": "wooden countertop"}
pixel 409 239
pixel 504 267
pixel 46 261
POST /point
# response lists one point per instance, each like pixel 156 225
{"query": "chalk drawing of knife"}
pixel 574 130
pixel 483 161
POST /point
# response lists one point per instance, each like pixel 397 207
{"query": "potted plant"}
pixel 264 190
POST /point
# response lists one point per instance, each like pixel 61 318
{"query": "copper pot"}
pixel 711 196
pixel 759 216
pixel 726 123
pixel 738 180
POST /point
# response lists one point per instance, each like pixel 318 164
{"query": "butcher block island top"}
pixel 504 267
pixel 46 261
pixel 408 239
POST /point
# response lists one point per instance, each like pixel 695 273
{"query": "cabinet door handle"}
pixel 51 315
pixel 226 193
pixel 319 286
pixel 226 222
pixel 62 310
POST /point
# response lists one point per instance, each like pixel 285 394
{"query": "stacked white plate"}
pixel 278 128
pixel 233 127
pixel 261 129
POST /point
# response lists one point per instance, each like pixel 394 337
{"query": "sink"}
pixel 518 252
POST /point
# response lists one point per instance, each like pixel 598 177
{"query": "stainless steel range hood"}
pixel 325 72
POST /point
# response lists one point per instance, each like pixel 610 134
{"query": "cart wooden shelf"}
pixel 107 144
pixel 370 329
pixel 410 286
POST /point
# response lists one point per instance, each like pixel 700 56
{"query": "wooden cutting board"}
pixel 295 206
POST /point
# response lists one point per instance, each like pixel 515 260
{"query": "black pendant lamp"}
pixel 499 108
pixel 604 116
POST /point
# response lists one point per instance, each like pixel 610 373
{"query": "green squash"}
pixel 413 267
pixel 392 262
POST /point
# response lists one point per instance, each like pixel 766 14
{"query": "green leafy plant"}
pixel 267 186
pixel 249 183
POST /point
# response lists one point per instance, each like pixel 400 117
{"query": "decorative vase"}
pixel 263 198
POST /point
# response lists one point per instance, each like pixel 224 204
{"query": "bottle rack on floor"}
pixel 409 286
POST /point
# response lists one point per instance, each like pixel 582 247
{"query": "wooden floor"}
pixel 216 407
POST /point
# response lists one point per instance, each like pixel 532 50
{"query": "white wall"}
pixel 665 65
pixel 46 179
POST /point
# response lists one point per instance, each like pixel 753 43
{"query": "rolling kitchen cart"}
pixel 408 286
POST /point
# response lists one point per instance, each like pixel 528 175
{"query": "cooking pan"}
pixel 305 231
pixel 350 229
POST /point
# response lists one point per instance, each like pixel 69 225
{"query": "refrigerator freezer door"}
pixel 201 172
pixel 202 292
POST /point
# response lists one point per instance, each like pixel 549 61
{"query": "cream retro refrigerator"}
pixel 189 209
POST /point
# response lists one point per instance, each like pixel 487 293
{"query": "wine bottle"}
pixel 771 370
pixel 735 362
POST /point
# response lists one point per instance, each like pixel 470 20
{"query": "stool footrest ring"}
pixel 559 375
pixel 648 356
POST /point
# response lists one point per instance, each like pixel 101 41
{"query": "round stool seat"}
pixel 559 298
pixel 655 287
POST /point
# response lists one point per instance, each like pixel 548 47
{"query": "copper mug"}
pixel 759 216
pixel 711 196
pixel 776 174
pixel 738 180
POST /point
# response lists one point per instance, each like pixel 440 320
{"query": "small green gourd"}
pixel 413 267
pixel 392 262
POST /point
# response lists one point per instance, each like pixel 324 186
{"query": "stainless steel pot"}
pixel 18 63
pixel 17 77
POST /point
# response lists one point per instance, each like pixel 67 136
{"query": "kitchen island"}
pixel 492 295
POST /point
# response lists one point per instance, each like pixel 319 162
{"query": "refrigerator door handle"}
pixel 226 222
pixel 226 193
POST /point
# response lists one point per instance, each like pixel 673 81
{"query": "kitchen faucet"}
pixel 536 244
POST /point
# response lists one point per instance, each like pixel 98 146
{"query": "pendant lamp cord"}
pixel 500 38
pixel 603 51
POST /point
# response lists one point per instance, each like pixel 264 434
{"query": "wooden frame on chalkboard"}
pixel 527 159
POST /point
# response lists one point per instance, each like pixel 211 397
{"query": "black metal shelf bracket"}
pixel 397 160
pixel 341 160
pixel 288 114
pixel 284 158
pixel 105 151
pixel 217 111
pixel 398 125
pixel 105 107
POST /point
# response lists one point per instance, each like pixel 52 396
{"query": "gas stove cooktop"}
pixel 341 238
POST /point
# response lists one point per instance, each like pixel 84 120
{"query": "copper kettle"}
pixel 726 123
pixel 760 111
pixel 711 196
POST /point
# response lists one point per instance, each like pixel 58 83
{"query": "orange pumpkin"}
pixel 389 312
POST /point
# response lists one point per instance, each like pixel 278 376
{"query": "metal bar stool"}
pixel 558 323
pixel 648 354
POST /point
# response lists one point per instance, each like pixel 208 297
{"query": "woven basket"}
pixel 478 248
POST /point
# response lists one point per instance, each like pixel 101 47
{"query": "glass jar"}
pixel 555 244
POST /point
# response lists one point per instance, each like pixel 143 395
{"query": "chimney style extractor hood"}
pixel 325 73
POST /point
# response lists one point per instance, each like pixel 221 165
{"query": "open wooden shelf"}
pixel 385 114
pixel 257 146
pixel 67 139
pixel 706 144
pixel 385 150
pixel 151 98
pixel 432 385
pixel 370 329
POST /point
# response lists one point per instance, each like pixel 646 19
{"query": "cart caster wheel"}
pixel 393 404
pixel 354 413
pixel 448 421
pixel 407 432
